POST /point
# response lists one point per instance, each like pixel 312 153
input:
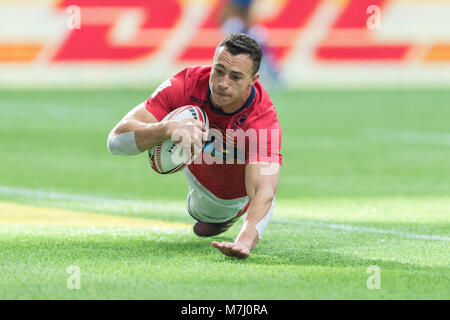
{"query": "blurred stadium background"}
pixel 362 92
pixel 134 43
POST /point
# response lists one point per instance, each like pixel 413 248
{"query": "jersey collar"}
pixel 247 103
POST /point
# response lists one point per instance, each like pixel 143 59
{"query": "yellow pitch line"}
pixel 13 213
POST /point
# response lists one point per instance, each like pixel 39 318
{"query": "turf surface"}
pixel 365 181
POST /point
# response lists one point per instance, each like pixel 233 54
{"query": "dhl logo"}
pixel 132 30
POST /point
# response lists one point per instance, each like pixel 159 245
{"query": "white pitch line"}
pixel 98 201
pixel 347 227
pixel 407 136
pixel 165 207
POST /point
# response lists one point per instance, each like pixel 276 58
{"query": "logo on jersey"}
pixel 199 101
pixel 239 121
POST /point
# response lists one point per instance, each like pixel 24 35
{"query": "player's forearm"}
pixel 149 134
pixel 258 209
pixel 133 136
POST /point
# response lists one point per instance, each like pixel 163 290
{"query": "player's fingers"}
pixel 198 136
pixel 196 140
pixel 191 125
pixel 186 142
pixel 240 251
pixel 221 248
pixel 192 149
pixel 197 148
pixel 197 145
pixel 186 149
pixel 228 252
pixel 202 125
pixel 199 125
pixel 181 134
pixel 224 244
pixel 230 249
pixel 215 244
pixel 197 151
pixel 238 254
pixel 228 245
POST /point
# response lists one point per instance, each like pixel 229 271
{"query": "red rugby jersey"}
pixel 257 118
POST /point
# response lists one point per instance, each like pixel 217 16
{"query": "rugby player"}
pixel 220 191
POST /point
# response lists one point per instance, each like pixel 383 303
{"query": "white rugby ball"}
pixel 167 156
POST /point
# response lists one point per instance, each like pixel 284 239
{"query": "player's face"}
pixel 231 80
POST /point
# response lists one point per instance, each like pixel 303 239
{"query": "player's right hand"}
pixel 190 133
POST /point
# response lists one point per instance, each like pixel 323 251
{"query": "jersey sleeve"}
pixel 168 96
pixel 266 143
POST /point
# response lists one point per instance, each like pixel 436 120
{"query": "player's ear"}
pixel 255 77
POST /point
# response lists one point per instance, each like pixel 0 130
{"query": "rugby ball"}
pixel 168 156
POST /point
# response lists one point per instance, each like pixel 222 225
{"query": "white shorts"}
pixel 204 206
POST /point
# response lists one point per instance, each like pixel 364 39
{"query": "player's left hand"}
pixel 232 249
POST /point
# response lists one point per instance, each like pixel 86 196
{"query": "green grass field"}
pixel 365 182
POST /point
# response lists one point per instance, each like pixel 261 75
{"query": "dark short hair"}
pixel 238 43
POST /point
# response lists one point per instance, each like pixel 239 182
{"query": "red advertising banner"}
pixel 321 38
